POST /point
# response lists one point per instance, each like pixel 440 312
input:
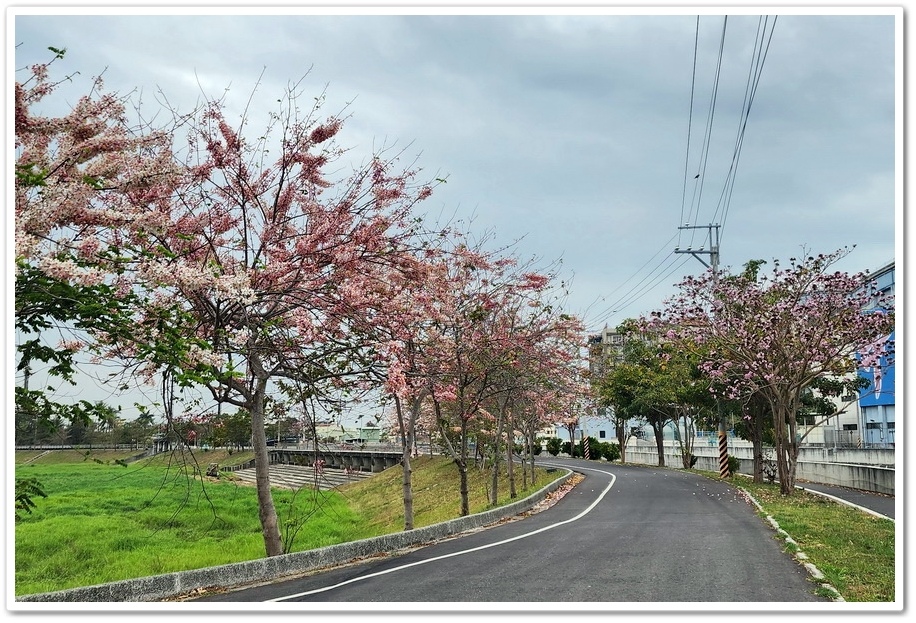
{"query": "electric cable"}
pixel 667 266
pixel 624 303
pixel 754 73
pixel 707 137
pixel 637 291
pixel 693 81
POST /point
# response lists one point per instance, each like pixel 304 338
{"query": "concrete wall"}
pixel 168 585
pixel 875 478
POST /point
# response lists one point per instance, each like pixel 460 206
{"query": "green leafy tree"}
pixel 42 304
pixel 658 380
pixel 26 490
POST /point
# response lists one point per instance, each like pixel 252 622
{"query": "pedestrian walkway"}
pixel 876 503
pixel 36 457
pixel 299 477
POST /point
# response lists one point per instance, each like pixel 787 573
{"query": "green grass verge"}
pixel 854 550
pixel 105 520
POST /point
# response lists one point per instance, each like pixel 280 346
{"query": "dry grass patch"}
pixel 436 495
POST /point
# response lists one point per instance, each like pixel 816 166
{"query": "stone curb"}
pixel 171 585
pixel 799 555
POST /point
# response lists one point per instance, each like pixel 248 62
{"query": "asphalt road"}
pixel 624 534
pixel 875 503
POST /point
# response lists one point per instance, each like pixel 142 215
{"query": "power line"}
pixel 693 82
pixel 754 73
pixel 609 308
pixel 707 135
pixel 645 285
pixel 762 41
pixel 667 266
pixel 624 303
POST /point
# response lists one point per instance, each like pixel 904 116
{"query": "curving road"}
pixel 624 534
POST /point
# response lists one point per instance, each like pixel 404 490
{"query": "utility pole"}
pixel 713 253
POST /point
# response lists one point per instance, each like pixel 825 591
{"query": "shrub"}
pixel 554 445
pixel 535 449
pixel 611 451
pixel 595 449
pixel 733 465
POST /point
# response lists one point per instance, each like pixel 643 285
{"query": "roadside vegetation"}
pixel 105 520
pixel 854 550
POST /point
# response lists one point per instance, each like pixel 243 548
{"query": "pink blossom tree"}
pixel 272 265
pixel 548 377
pixel 79 177
pixel 774 336
pixel 401 339
pixel 527 331
pixel 279 275
pixel 458 338
pixel 82 175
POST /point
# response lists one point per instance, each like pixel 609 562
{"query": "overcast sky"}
pixel 568 133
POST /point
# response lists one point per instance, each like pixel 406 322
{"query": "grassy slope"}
pixel 104 521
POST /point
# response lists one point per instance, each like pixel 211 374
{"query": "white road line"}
pixel 466 551
pixel 846 502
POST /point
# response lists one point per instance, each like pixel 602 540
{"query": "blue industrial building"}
pixel 876 402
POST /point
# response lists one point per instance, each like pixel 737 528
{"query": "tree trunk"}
pixel 406 474
pixel 510 463
pixel 623 434
pixel 791 467
pixel 756 430
pixel 686 442
pixel 782 465
pixel 463 486
pixel 494 480
pixel 267 512
pixel 786 446
pixel 463 470
pixel 459 457
pixel 757 444
pixel 755 417
pixel 571 429
pixel 659 443
pixel 532 432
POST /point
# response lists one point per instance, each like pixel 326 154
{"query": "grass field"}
pixel 104 520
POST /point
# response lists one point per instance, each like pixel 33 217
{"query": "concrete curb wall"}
pixel 169 585
pixel 866 477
